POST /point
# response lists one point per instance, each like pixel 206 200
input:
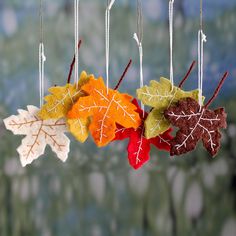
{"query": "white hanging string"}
pixel 76 15
pixel 171 17
pixel 138 37
pixel 42 60
pixel 140 47
pixel 201 40
pixel 42 57
pixel 107 39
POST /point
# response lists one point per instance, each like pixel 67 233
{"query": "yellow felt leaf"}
pixel 79 128
pixel 61 99
pixel 160 95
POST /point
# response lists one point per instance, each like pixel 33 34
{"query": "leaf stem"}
pixel 73 64
pixel 123 75
pixel 217 90
pixel 187 74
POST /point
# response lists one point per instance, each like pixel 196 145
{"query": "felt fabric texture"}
pixel 139 147
pixel 61 100
pixel 195 123
pixel 79 128
pixel 106 107
pixel 38 134
pixel 159 96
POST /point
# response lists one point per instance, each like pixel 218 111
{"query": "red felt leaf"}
pixel 195 124
pixel 139 147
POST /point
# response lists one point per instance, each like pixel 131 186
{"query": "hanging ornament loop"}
pixel 138 37
pixel 42 57
pixel 140 47
pixel 76 15
pixel 42 60
pixel 201 40
pixel 171 18
pixel 107 39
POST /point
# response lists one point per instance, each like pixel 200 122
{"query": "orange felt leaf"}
pixel 106 109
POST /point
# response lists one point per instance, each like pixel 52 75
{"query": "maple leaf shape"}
pixel 195 123
pixel 139 147
pixel 106 107
pixel 160 96
pixel 61 100
pixel 38 133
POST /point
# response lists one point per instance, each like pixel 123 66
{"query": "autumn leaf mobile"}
pixel 108 115
pixel 90 107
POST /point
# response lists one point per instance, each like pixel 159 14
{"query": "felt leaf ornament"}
pixel 107 107
pixel 195 124
pixel 160 95
pixel 38 134
pixel 139 147
pixel 61 100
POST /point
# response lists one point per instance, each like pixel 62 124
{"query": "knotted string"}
pixel 42 57
pixel 76 15
pixel 201 40
pixel 138 37
pixel 171 17
pixel 107 39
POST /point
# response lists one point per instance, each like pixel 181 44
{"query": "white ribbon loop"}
pixel 107 40
pixel 140 47
pixel 201 40
pixel 76 29
pixel 171 17
pixel 42 59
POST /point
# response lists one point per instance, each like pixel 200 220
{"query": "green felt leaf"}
pixel 160 95
pixel 156 123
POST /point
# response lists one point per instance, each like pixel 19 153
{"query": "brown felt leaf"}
pixel 195 124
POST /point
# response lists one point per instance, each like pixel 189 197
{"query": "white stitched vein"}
pixel 163 140
pixel 121 130
pixel 157 126
pixel 191 134
pixel 91 107
pixel 82 127
pixel 102 95
pixel 189 116
pixel 61 102
pixel 104 117
pixel 125 112
pixel 207 119
pixel 139 148
pixel 209 133
pixel 151 96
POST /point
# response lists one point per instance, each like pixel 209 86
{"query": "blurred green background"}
pixel 95 192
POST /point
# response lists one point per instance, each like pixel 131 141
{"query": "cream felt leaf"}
pixel 106 107
pixel 38 134
pixel 79 128
pixel 61 99
pixel 160 96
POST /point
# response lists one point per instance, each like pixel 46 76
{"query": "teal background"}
pixel 96 192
